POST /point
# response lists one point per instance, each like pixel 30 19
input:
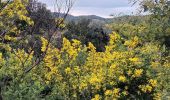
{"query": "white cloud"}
pixel 102 3
pixel 101 8
pixel 103 12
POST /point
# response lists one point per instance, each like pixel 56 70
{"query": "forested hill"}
pixel 124 18
pixel 75 18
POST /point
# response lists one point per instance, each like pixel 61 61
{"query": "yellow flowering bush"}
pixel 84 73
pixel 10 16
pixel 128 68
pixel 79 72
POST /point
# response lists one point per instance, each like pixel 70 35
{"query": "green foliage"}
pixel 133 63
pixel 158 22
pixel 124 70
pixel 87 30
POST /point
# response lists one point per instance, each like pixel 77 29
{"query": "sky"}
pixel 103 8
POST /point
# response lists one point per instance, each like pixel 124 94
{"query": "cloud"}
pixel 103 12
pixel 101 8
pixel 102 3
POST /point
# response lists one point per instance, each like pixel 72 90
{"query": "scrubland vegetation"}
pixel 45 57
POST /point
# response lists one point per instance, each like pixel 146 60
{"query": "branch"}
pixel 3 6
pixel 51 33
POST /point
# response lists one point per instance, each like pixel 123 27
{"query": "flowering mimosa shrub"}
pixel 12 17
pixel 127 69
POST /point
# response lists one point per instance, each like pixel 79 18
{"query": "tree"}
pixel 16 26
pixel 159 12
pixel 63 7
pixel 88 30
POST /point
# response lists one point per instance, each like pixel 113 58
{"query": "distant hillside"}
pixel 75 18
pixel 91 17
pixel 125 18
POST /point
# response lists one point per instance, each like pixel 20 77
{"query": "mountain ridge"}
pixel 74 18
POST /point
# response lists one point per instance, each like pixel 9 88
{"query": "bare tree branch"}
pixel 4 4
pixel 62 9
